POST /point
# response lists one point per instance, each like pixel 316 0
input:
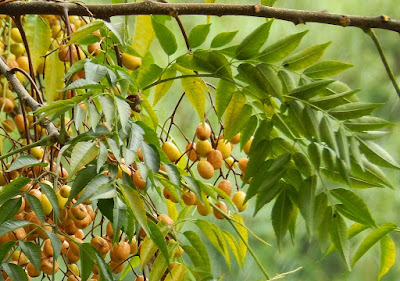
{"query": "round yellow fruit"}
pixel 171 151
pixel 225 148
pixel 203 148
pixel 203 131
pixel 238 199
pixel 131 62
pixel 246 147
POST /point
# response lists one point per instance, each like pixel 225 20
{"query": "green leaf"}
pixel 354 205
pixel 15 272
pixel 271 80
pixel 281 216
pixel 267 195
pixel 10 208
pixel 233 115
pixel 148 74
pixel 327 133
pixel 107 106
pixel 5 249
pixel 371 239
pixel 83 84
pixel 124 111
pixel 334 100
pixel 119 218
pixel 326 68
pixel 200 248
pixel 303 164
pixel 104 269
pixel 143 34
pixel 287 81
pixel 51 195
pixel 133 262
pixel 177 273
pixel 250 45
pixel 223 96
pixel 223 38
pixel 343 145
pixel 91 188
pixel 233 245
pixel 195 92
pixel 55 243
pixel 162 88
pixel 103 154
pixel 12 189
pixel 314 154
pixel 81 180
pixel 12 225
pixel 367 123
pixel 159 239
pixel 306 201
pixel 165 37
pixel 198 35
pixel 353 110
pixel 338 234
pixel 370 172
pixel 310 90
pixel 306 57
pixel 82 154
pixel 149 248
pixel 151 157
pixel 85 30
pixel 87 258
pixel 32 251
pixel 282 48
pixel 137 205
pixel 115 31
pixel 248 131
pixel 95 72
pixel 53 79
pixel 377 155
pixel 38 35
pixel 311 122
pixel 160 264
pixel 388 255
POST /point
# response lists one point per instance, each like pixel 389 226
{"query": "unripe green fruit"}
pixel 171 151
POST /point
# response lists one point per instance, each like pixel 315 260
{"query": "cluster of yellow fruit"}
pixel 210 153
pixel 73 220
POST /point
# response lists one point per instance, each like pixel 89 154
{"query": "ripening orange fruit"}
pixel 215 158
pixel 8 125
pixel 225 186
pixel 205 169
pixel 31 270
pixel 243 164
pixel 134 246
pixel 19 122
pixel 169 196
pixel 189 198
pixel 48 248
pixel 120 252
pixel 131 62
pixel 191 152
pixel 94 49
pixel 116 267
pixel 100 244
pixel 138 180
pixel 79 212
pixel 165 218
pixel 223 208
pixel 204 210
pixel 46 266
pixel 203 131
pixel 8 104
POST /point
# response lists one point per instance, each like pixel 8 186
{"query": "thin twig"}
pixel 389 71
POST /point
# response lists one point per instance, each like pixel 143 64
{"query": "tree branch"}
pixel 26 99
pixel 156 8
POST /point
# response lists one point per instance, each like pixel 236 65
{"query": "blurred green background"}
pixel 350 45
